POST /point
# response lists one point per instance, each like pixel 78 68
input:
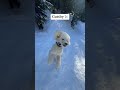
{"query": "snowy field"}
pixel 71 75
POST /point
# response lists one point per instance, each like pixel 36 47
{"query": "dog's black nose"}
pixel 59 43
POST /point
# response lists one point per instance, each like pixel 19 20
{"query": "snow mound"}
pixel 71 75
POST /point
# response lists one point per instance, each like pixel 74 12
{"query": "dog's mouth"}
pixel 65 44
pixel 60 45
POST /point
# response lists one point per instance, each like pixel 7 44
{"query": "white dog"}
pixel 62 40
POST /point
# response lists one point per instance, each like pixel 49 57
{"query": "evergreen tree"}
pixel 76 7
pixel 78 16
pixel 40 12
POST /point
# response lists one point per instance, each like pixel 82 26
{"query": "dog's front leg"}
pixel 58 63
pixel 50 58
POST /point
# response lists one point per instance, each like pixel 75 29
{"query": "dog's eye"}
pixel 62 39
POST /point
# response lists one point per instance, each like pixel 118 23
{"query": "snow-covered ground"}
pixel 71 75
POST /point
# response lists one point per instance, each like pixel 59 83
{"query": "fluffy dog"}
pixel 62 40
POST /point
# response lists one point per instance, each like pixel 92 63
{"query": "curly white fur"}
pixel 62 40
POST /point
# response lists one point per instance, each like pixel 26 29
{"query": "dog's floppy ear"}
pixel 58 34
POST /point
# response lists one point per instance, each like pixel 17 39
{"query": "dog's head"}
pixel 62 38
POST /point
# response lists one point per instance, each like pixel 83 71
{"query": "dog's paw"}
pixel 57 67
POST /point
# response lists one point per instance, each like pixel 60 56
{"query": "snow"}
pixel 71 75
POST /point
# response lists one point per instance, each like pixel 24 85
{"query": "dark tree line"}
pixel 71 6
pixel 40 12
pixel 75 7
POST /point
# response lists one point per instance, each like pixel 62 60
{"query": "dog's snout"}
pixel 59 43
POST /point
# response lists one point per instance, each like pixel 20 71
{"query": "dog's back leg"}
pixel 58 62
pixel 50 58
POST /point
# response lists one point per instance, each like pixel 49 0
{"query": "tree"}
pixel 76 7
pixel 40 12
